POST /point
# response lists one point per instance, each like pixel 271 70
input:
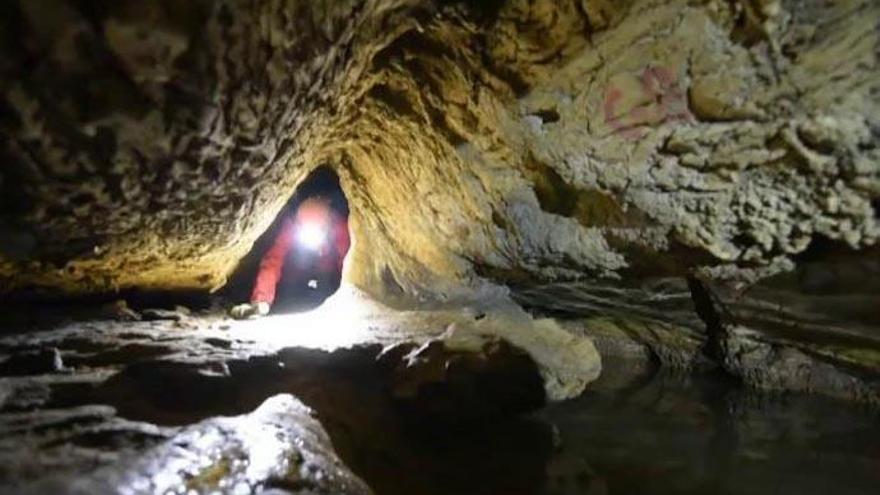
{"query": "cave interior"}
pixel 436 247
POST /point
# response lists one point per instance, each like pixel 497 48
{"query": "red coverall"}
pixel 328 258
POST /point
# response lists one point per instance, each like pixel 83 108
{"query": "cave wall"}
pixel 148 144
pixel 646 140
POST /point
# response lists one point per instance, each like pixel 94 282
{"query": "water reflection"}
pixel 667 433
pixel 636 431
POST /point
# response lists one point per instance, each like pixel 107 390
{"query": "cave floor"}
pixel 106 405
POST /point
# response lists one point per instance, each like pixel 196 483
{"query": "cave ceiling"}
pixel 147 144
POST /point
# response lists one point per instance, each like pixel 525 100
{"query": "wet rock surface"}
pixel 444 385
pixel 136 397
pixel 816 328
pixel 212 409
pixel 658 176
pixel 478 145
pixel 278 446
pixel 655 321
pixel 812 329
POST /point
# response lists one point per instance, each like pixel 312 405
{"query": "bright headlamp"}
pixel 311 235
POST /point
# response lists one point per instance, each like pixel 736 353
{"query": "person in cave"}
pixel 309 249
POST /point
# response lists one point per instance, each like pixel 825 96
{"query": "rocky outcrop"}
pixel 813 329
pixel 445 385
pixel 141 404
pixel 124 409
pixel 150 144
pixel 626 146
pixel 278 446
pixel 810 330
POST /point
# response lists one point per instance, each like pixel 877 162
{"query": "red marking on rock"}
pixel 668 103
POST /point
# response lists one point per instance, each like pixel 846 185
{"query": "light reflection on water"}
pixel 670 433
pixel 631 433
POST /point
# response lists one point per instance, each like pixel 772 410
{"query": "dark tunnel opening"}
pixel 305 247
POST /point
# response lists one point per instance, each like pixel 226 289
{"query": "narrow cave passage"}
pixel 297 263
pixel 551 247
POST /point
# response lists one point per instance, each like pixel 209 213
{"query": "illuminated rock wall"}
pixel 148 144
pixel 622 146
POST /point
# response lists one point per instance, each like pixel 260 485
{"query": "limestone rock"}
pixel 277 446
pixel 32 363
pixel 137 390
pixel 481 144
pixel 440 384
pixel 552 140
pixel 813 329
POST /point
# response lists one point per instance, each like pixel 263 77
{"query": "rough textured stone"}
pixel 279 446
pixel 134 390
pixel 444 385
pixel 149 144
pixel 633 147
pixel 813 329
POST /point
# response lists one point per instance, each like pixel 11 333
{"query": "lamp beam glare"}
pixel 342 321
pixel 311 235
